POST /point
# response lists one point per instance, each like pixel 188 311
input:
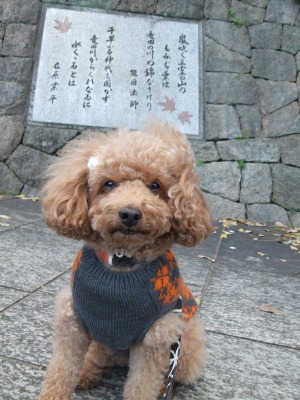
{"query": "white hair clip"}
pixel 92 163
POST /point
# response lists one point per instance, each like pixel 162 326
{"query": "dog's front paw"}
pixel 87 382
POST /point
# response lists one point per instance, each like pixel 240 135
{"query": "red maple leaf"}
pixel 63 26
pixel 169 104
pixel 185 117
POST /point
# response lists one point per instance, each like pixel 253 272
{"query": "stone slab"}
pixel 256 185
pixel 9 296
pixel 19 40
pixel 45 255
pixel 221 122
pixel 259 248
pixel 279 122
pixel 266 35
pixel 282 12
pixel 239 369
pixel 248 13
pixel 35 315
pixel 20 212
pixel 289 148
pixel 233 299
pixel 9 182
pixel 111 70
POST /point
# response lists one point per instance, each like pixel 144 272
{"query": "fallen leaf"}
pixel 5 217
pixel 207 258
pixel 268 309
pixel 260 253
pixel 241 230
pixel 280 224
pixel 223 236
pixel 3 224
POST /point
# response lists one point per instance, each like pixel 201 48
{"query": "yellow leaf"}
pixel 260 253
pixel 223 236
pixel 5 217
pixel 3 224
pixel 241 230
pixel 198 301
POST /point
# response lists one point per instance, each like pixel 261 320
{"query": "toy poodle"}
pixel 129 195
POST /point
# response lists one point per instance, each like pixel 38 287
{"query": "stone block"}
pixel 12 129
pixel 250 120
pixel 256 185
pixel 224 208
pixel 13 97
pixel 9 182
pixel 216 10
pixel 29 165
pixel 229 35
pixel 19 40
pixel 286 186
pixel 229 88
pixel 15 69
pixel 276 123
pixel 2 30
pixel 137 6
pixel 297 58
pixel 266 35
pixel 275 95
pixel 104 4
pixel 257 3
pixel 19 11
pixel 284 12
pixel 222 122
pixel 273 65
pixel 206 151
pixel 253 150
pixel 248 13
pixel 289 148
pixel 221 178
pixel 48 140
pixel 220 59
pixel 294 127
pixel 295 219
pixel 193 9
pixel 267 213
pixel 297 20
pixel 291 39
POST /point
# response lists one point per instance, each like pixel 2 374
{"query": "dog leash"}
pixel 174 357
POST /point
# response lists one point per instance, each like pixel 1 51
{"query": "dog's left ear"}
pixel 191 217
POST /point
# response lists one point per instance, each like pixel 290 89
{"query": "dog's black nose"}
pixel 130 216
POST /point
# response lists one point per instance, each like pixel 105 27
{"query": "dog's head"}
pixel 130 190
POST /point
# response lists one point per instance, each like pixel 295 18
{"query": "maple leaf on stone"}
pixel 185 117
pixel 169 104
pixel 63 26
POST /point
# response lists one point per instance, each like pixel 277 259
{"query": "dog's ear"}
pixel 65 195
pixel 191 217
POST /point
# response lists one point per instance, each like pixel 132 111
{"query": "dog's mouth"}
pixel 129 232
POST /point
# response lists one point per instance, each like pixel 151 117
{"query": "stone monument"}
pixel 99 69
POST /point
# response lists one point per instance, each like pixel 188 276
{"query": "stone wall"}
pixel 249 161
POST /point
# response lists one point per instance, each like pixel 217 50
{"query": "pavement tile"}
pixel 239 369
pixel 9 296
pixel 263 254
pixel 27 329
pixel 19 380
pixel 193 269
pixel 21 212
pixel 232 305
pixel 30 257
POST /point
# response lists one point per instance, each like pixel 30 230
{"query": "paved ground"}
pixel 253 354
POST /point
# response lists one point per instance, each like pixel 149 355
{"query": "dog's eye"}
pixel 154 187
pixel 109 185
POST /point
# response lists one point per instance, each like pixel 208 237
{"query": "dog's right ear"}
pixel 65 194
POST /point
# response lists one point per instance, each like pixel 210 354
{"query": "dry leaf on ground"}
pixel 268 309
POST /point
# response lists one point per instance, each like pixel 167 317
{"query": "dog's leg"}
pixel 96 361
pixel 192 353
pixel 149 360
pixel 70 346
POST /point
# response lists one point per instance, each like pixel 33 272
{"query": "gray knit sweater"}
pixel 118 308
